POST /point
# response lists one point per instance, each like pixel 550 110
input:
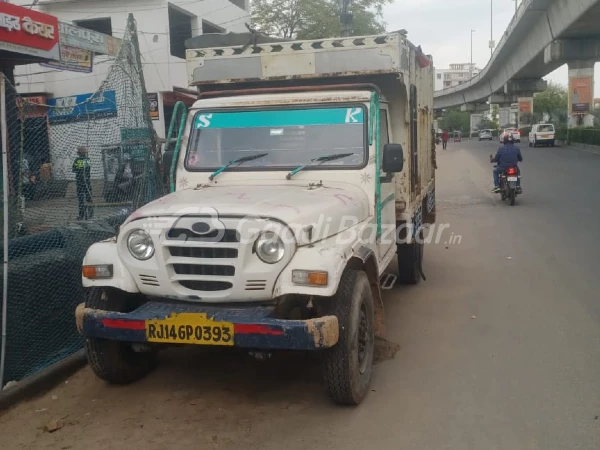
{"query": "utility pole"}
pixel 471 66
pixel 516 7
pixel 346 16
pixel 491 28
pixel 472 31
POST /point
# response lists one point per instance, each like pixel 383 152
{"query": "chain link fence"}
pixel 76 168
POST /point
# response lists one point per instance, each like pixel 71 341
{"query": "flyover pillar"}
pixel 581 93
pixel 525 114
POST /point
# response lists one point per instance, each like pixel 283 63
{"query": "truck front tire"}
pixel 348 365
pixel 114 361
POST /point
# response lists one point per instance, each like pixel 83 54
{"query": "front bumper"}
pixel 255 327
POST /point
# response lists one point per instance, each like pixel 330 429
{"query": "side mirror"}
pixel 393 158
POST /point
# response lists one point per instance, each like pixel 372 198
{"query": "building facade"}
pixel 163 26
pixel 455 75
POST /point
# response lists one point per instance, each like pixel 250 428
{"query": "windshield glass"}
pixel 290 137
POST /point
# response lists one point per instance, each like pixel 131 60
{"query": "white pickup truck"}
pixel 305 168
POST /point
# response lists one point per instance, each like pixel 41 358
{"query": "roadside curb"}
pixel 42 381
pixel 583 147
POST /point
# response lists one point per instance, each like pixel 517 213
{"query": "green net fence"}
pixel 588 136
pixel 76 169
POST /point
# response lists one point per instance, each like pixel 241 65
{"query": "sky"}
pixel 443 29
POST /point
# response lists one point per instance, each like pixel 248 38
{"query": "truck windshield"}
pixel 290 137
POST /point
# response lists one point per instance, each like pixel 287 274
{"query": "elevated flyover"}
pixel 543 35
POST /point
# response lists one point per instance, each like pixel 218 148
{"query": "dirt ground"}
pixel 197 397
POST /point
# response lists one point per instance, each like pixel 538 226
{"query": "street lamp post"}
pixel 471 66
pixel 491 28
pixel 472 31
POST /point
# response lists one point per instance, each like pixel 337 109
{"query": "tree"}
pixel 455 119
pixel 488 124
pixel 316 19
pixel 554 102
pixel 596 114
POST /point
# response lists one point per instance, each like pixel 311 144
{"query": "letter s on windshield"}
pixel 204 120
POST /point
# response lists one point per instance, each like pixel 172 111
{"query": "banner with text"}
pixel 73 59
pixel 23 30
pixel 79 37
pixel 580 93
pixel 78 108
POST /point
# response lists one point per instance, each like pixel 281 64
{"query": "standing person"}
pixel 82 169
pixel 445 139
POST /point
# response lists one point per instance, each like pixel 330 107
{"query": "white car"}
pixel 516 134
pixel 485 135
pixel 542 134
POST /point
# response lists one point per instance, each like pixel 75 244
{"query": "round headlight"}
pixel 140 245
pixel 270 248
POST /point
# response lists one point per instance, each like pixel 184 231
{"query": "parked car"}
pixel 485 135
pixel 542 134
pixel 516 134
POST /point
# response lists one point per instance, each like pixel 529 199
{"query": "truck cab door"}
pixel 387 241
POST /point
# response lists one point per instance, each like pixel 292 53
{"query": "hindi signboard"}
pixel 73 59
pixel 85 39
pixel 29 32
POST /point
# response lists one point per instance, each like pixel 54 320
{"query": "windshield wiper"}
pixel 241 160
pixel 316 162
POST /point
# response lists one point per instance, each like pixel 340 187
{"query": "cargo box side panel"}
pixel 422 78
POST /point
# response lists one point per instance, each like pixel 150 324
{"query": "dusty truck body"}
pixel 305 168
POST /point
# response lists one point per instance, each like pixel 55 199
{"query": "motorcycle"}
pixel 508 185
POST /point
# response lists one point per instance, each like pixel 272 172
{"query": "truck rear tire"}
pixel 409 255
pixel 114 361
pixel 348 365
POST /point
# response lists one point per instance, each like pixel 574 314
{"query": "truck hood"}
pixel 329 209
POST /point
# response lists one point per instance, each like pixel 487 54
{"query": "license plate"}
pixel 189 328
pixel 512 178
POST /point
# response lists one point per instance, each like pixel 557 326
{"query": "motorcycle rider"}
pixel 507 156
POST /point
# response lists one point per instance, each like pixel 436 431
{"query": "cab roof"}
pixel 334 96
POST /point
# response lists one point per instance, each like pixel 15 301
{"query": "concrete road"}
pixel 499 349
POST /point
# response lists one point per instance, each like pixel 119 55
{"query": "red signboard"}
pixel 26 31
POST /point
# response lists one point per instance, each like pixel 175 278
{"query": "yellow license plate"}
pixel 189 328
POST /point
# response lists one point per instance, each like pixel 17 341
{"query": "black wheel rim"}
pixel 364 339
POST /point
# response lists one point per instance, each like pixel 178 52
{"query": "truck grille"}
pixel 202 259
pixel 200 269
pixel 184 234
pixel 206 286
pixel 204 252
